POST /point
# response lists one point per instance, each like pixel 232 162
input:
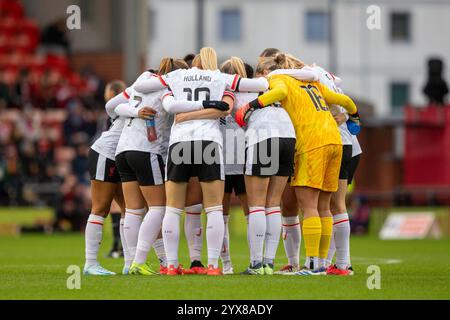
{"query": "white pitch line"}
pixel 376 260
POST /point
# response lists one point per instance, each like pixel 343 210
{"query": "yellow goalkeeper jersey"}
pixel 306 104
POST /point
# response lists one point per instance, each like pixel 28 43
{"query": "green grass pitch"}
pixel 34 267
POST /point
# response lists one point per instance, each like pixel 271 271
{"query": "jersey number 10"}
pixel 197 92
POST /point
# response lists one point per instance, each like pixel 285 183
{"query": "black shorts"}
pixel 144 167
pixel 235 182
pixel 271 157
pixel 202 159
pixel 102 168
pixel 352 168
pixel 347 150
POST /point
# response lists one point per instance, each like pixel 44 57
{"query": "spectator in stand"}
pixel 55 38
pixel 95 87
pixel 22 93
pixel 436 88
pixel 80 166
pixel 4 92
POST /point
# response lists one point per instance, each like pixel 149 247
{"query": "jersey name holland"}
pixel 327 79
pixel 265 123
pixel 198 85
pixel 134 133
pixel 106 144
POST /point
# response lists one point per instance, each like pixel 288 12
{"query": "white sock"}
pixel 131 225
pixel 193 231
pixel 273 232
pixel 341 232
pixel 93 238
pixel 214 233
pixel 331 251
pixel 248 238
pixel 292 237
pixel 257 233
pixel 171 234
pixel 148 232
pixel 225 253
pixel 158 245
pixel 128 259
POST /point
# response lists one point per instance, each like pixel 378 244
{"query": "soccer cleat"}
pixel 143 269
pixel 333 270
pixel 255 270
pixel 351 272
pixel 268 269
pixel 227 268
pixel 308 272
pixel 125 270
pixel 196 268
pixel 213 271
pixel 172 271
pixel 162 270
pixel 97 270
pixel 322 271
pixel 287 270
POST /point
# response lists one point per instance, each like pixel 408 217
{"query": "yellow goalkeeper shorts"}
pixel 318 168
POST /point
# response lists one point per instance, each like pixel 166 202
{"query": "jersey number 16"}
pixel 316 98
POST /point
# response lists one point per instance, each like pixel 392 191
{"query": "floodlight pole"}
pixel 131 56
pixel 200 23
pixel 332 43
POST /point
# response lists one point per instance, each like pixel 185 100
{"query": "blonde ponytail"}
pixel 206 59
pixel 234 65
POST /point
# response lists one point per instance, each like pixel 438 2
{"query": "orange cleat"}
pixel 335 271
pixel 196 268
pixel 162 270
pixel 199 270
pixel 213 271
pixel 172 271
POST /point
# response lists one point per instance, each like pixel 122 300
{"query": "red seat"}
pixel 11 9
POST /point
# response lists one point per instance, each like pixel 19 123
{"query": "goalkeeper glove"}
pixel 243 114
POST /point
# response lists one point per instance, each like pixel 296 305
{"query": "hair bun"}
pixel 280 59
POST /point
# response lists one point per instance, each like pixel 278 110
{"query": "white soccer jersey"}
pixel 265 123
pixel 134 133
pixel 356 148
pixel 198 85
pixel 327 79
pixel 144 76
pixel 106 144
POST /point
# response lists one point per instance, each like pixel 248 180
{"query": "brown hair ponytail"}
pixel 168 64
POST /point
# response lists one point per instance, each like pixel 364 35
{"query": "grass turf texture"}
pixel 34 267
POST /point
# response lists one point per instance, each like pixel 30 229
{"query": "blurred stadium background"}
pixel 52 81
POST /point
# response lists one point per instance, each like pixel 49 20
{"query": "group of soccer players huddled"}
pixel 184 137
